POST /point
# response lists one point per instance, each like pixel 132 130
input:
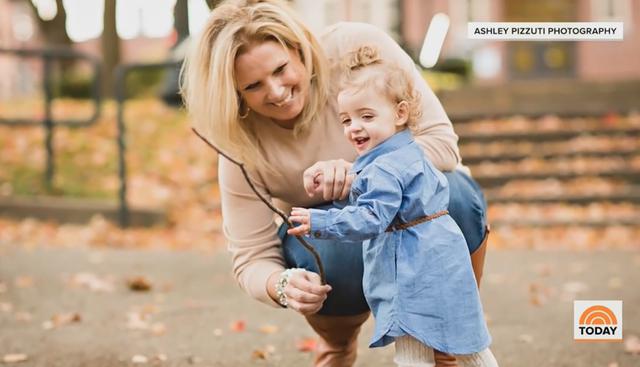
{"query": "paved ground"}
pixel 528 300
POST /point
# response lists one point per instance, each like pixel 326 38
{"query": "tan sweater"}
pixel 249 225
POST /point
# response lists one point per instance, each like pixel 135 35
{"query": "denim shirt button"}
pixel 317 234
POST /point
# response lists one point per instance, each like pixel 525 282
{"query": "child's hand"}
pixel 302 216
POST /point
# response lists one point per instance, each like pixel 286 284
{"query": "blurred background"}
pixel 549 129
pixel 96 151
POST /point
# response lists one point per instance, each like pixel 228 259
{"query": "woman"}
pixel 258 85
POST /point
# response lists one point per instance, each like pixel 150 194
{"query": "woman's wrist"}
pixel 271 285
pixel 277 282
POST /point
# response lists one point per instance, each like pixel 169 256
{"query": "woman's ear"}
pixel 402 113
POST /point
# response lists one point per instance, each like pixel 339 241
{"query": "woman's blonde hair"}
pixel 208 76
pixel 386 78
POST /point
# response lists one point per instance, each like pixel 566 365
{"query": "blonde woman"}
pixel 260 86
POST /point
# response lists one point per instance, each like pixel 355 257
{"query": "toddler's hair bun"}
pixel 361 57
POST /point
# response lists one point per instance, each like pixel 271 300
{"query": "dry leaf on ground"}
pixel 139 359
pixel 14 358
pixel 260 354
pixel 24 282
pixel 92 282
pixel 238 326
pixel 61 319
pixel 307 344
pixel 268 329
pixel 139 284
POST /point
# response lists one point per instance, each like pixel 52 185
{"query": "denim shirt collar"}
pixel 395 142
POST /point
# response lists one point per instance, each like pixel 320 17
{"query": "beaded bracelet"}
pixel 282 283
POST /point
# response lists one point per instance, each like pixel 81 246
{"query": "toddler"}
pixel 418 279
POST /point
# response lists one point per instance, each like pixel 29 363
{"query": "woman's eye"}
pixel 346 122
pixel 280 69
pixel 367 117
pixel 251 86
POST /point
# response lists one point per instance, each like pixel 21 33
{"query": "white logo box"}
pixel 601 320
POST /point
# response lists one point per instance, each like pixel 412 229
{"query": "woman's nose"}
pixel 276 91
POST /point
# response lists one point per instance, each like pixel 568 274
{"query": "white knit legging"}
pixel 411 353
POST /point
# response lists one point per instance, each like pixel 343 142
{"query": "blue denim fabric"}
pixel 342 261
pixel 343 266
pixel 467 207
pixel 418 281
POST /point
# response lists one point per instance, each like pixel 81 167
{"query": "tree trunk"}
pixel 53 31
pixel 181 20
pixel 110 48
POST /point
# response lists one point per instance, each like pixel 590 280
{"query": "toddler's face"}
pixel 368 117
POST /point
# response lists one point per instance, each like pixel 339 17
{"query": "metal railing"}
pixel 121 73
pixel 48 57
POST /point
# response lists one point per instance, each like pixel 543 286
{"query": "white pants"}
pixel 411 353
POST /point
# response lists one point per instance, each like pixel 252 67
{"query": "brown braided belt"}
pixel 426 218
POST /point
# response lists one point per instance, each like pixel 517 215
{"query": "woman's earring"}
pixel 246 113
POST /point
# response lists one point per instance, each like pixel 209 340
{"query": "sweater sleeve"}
pixel 368 217
pixel 250 229
pixel 435 132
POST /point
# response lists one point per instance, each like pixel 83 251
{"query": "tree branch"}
pixel 282 215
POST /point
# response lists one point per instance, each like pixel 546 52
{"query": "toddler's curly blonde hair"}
pixel 387 78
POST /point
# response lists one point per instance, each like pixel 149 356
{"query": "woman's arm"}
pixel 435 131
pixel 251 232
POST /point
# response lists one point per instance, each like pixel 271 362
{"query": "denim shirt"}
pixel 418 281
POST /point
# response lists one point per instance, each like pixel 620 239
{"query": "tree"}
pixel 181 20
pixel 54 30
pixel 110 48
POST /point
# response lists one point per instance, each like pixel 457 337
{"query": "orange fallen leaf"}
pixel 259 354
pixel 307 344
pixel 268 329
pixel 24 282
pixel 61 319
pixel 238 326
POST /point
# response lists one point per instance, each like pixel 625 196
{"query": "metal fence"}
pixel 49 56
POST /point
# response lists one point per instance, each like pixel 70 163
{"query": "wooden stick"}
pixel 282 215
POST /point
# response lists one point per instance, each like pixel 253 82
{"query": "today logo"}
pixel 597 320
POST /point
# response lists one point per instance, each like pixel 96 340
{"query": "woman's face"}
pixel 272 81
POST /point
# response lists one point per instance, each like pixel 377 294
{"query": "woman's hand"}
pixel 302 216
pixel 331 178
pixel 305 292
